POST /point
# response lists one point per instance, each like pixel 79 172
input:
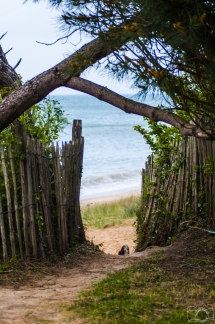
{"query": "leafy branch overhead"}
pixel 166 45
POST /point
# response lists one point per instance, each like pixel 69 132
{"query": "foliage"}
pixel 208 166
pixel 169 45
pixel 176 190
pixel 165 164
pixel 5 91
pixel 159 136
pixel 44 121
pixel 164 142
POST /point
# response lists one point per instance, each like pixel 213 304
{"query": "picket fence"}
pixel 180 193
pixel 39 197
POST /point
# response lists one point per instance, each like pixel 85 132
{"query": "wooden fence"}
pixel 39 197
pixel 178 193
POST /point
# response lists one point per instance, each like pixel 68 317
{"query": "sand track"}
pixel 40 300
pixel 30 304
pixel 113 237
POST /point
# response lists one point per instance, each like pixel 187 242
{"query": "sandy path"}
pixel 39 301
pixel 32 304
pixel 112 238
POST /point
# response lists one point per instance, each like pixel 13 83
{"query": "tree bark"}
pixel 132 107
pixel 33 91
pixel 8 75
pixel 66 74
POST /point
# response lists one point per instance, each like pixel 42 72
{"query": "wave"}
pixel 110 183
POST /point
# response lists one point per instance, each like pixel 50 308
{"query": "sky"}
pixel 28 23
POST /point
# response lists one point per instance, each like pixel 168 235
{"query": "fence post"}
pixel 3 233
pixel 77 130
pixel 9 202
pixel 16 203
pixel 79 142
pixel 30 196
pixel 21 133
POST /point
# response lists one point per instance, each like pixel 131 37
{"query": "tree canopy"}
pixel 170 45
pixel 166 45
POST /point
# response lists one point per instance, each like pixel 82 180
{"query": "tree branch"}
pixel 17 64
pixel 33 91
pixel 67 72
pixel 3 35
pixel 8 75
pixel 132 107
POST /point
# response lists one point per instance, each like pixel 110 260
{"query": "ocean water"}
pixel 114 154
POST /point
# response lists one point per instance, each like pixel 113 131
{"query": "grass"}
pixel 159 290
pixel 140 294
pixel 111 213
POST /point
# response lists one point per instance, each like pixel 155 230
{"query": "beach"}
pixel 110 238
pixel 108 198
pixel 113 158
pixel 114 154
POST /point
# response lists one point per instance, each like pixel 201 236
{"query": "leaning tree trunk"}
pixel 67 73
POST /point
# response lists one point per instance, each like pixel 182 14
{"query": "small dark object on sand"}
pixel 124 250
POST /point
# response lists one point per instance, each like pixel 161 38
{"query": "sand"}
pixel 106 199
pixel 111 238
pixel 39 301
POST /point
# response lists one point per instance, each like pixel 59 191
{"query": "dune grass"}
pixel 111 213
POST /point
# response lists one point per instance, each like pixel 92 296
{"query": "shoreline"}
pixel 88 202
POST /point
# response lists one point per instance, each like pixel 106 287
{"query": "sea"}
pixel 114 153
